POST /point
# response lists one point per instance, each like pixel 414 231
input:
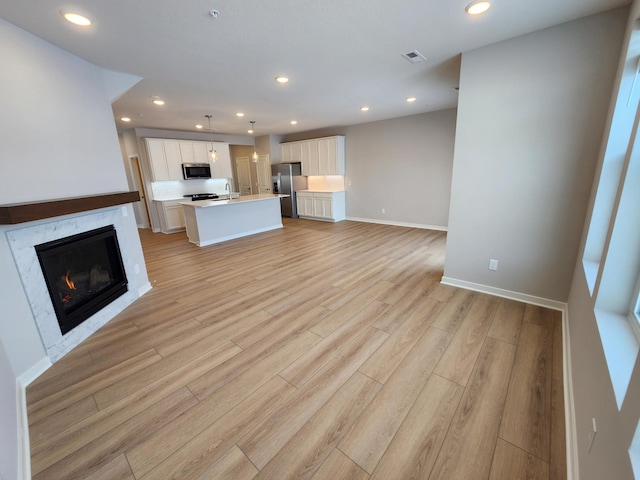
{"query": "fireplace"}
pixel 83 274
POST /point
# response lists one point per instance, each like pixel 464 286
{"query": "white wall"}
pixel 8 424
pixel 592 388
pixel 40 122
pixel 531 113
pixel 402 165
pixel 57 122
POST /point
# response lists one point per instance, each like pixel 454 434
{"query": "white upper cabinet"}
pixel 331 155
pixel 200 152
pixel 186 152
pixel 221 168
pixel 290 152
pixel 319 156
pixel 157 159
pixel 174 159
pixel 166 157
pixel 309 157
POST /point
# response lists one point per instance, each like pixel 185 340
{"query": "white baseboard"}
pixel 569 411
pixel 499 292
pixel 24 450
pixel 398 224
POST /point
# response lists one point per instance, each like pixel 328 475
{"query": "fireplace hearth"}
pixel 83 273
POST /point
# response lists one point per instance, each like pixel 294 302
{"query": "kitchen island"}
pixel 214 221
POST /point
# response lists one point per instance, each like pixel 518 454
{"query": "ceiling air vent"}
pixel 414 57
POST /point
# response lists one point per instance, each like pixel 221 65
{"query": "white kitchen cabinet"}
pixel 195 152
pixel 304 204
pixel 319 156
pixel 164 159
pixel 290 152
pixel 309 157
pixel 200 152
pixel 331 156
pixel 174 159
pixel 329 206
pixel 171 216
pixel 323 205
pixel 157 159
pixel 221 168
pixel 187 154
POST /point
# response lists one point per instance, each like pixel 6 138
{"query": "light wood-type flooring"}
pixel 318 351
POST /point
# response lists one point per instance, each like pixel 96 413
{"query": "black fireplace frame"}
pixel 67 320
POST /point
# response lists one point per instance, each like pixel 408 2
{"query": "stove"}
pixel 202 196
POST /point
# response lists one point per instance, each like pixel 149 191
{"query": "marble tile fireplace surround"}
pixel 22 241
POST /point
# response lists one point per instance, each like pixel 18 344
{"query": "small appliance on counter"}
pixel 287 179
pixel 202 196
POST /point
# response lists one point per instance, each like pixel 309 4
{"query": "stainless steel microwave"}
pixel 192 171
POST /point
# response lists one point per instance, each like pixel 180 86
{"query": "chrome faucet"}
pixel 228 187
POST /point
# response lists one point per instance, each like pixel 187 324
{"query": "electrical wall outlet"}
pixel 383 210
pixel 493 264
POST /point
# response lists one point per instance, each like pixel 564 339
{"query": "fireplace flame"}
pixel 70 283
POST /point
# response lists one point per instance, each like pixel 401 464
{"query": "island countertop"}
pixel 234 200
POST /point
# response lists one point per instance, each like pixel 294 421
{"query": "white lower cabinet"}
pixel 304 203
pixel 171 216
pixel 328 206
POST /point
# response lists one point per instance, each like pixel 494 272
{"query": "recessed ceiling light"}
pixel 411 99
pixel 281 79
pixel 364 109
pixel 294 122
pixel 158 101
pixel 125 119
pixel 240 114
pixel 478 7
pixel 77 18
pixel 199 127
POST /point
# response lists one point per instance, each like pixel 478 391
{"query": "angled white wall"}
pixel 530 118
pixel 58 140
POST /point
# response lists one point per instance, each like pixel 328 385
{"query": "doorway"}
pixel 263 167
pixel 243 171
pixel 140 209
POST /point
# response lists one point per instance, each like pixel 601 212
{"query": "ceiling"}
pixel 338 54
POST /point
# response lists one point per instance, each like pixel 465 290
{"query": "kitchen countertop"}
pixel 242 199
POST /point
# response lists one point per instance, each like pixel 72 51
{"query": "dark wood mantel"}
pixel 28 212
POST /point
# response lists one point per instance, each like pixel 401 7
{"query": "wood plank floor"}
pixel 319 351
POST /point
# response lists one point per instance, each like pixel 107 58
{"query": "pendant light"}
pixel 254 155
pixel 213 155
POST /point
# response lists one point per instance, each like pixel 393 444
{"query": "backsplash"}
pixel 326 182
pixel 177 189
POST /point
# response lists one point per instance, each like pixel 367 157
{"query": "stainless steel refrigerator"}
pixel 287 179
